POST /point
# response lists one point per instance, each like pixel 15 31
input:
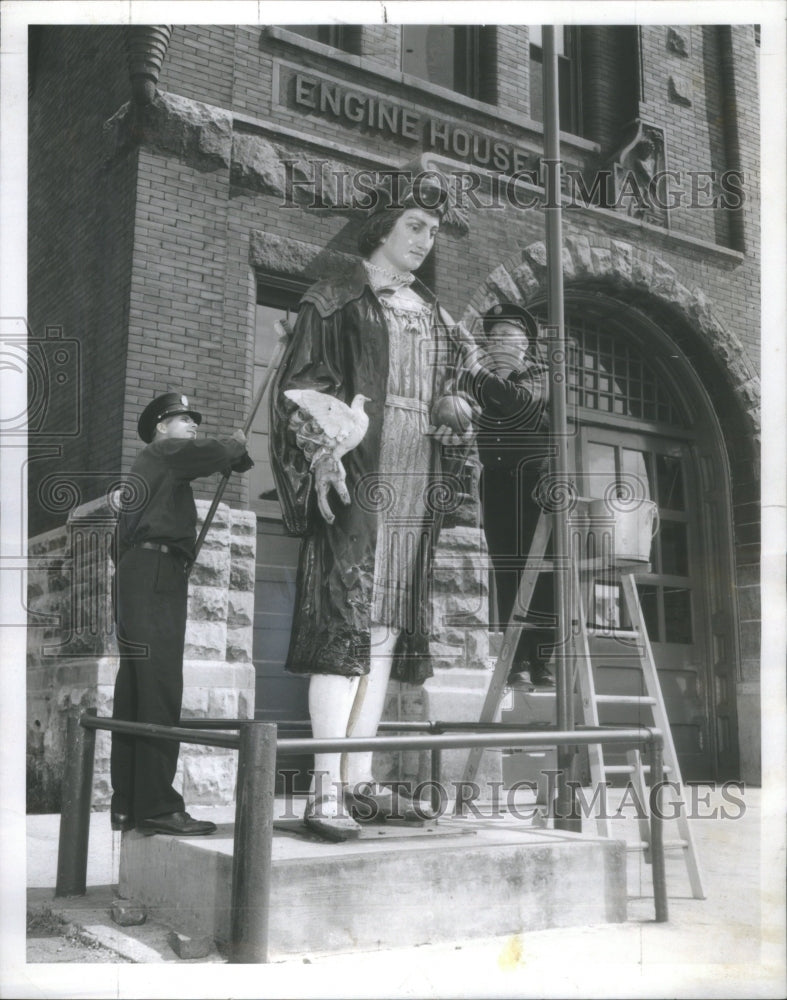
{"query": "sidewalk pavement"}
pixel 728 945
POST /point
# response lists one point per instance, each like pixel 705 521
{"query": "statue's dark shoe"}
pixel 177 824
pixel 336 828
pixel 369 803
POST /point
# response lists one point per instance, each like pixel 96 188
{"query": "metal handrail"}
pixel 257 744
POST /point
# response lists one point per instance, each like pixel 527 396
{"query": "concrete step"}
pixel 452 881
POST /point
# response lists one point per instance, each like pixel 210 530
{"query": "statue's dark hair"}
pixel 376 228
pixel 378 225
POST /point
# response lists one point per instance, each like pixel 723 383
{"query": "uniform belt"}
pixel 160 547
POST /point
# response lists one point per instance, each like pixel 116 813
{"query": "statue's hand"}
pixel 448 436
pixel 329 472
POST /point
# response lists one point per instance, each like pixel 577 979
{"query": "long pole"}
pixel 558 421
pixel 274 364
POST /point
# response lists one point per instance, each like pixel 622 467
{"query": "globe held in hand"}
pixel 454 412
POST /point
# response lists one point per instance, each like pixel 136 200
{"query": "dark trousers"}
pixel 151 594
pixel 510 517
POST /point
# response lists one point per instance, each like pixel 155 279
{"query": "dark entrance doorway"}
pixel 641 414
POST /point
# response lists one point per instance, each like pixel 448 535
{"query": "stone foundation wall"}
pixel 72 651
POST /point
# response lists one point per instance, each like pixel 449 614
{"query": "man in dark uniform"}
pixel 513 444
pixel 155 550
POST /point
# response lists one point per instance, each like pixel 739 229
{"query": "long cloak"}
pixel 340 346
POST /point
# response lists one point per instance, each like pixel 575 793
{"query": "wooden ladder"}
pixel 653 700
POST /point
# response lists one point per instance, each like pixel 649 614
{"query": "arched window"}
pixel 640 418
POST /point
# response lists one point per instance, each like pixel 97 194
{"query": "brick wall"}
pixel 200 62
pixel 383 43
pixel 513 84
pixel 180 336
pixel 80 231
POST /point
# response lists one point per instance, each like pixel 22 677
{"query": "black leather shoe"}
pixel 120 822
pixel 178 824
pixel 540 676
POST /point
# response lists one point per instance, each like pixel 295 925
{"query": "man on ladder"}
pixel 511 388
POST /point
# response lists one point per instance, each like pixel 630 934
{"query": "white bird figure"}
pixel 335 427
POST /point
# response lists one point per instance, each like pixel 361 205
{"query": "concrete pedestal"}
pixel 467 879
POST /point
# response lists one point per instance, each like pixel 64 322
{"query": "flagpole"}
pixel 558 423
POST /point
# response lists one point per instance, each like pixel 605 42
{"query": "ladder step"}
pixel 624 699
pixel 524 623
pixel 629 768
pixel 669 845
pixel 611 633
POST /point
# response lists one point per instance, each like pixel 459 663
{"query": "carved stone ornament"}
pixel 677 93
pixel 677 43
pixel 637 170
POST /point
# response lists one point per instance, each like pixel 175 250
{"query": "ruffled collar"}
pixel 385 278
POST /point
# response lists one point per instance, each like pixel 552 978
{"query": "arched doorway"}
pixel 638 409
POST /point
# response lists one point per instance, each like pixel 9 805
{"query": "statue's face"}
pixel 406 246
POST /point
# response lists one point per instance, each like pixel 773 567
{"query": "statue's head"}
pixel 403 196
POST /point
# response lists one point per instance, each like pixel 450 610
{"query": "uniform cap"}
pixel 170 404
pixel 507 312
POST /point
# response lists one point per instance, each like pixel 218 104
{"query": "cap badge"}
pixel 184 401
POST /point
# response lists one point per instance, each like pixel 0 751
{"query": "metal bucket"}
pixel 632 526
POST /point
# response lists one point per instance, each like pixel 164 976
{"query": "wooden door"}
pixel 671 587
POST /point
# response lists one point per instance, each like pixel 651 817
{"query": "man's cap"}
pixel 507 312
pixel 170 404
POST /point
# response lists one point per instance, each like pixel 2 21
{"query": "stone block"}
pixel 503 284
pixel 243 522
pixel 209 776
pixel 195 702
pixel 256 164
pixel 664 278
pixel 196 133
pixel 535 254
pixel 217 673
pixel 222 703
pixel 579 248
pixel 188 947
pixel 127 913
pixel 240 643
pixel 207 604
pixel 622 254
pixel 602 261
pixel 642 270
pixel 280 253
pixel 242 547
pixel 212 569
pixel 240 609
pixel 206 640
pixel 242 575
